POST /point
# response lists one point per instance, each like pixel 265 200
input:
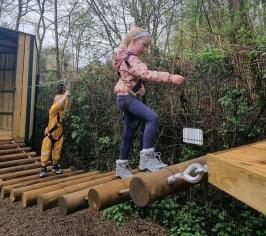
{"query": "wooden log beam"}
pixel 16 193
pixel 20 168
pixel 17 156
pixel 76 201
pixel 152 186
pixel 67 172
pixel 23 173
pixel 27 178
pixel 14 151
pixel 11 145
pixel 19 162
pixel 30 197
pixel 48 200
pixel 108 194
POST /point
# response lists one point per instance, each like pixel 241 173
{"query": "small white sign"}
pixel 194 136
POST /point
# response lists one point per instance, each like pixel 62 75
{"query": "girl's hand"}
pixel 178 79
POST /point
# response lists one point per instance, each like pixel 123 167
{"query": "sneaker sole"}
pixel 149 170
pixel 57 172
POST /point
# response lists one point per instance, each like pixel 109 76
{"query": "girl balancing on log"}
pixel 129 90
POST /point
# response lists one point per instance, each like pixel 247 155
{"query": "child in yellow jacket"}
pixel 53 141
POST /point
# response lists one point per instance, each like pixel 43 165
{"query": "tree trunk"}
pixel 58 70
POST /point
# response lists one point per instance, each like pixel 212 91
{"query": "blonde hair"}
pixel 130 36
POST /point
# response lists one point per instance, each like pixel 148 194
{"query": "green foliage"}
pixel 189 152
pixel 236 108
pixel 78 131
pixel 180 219
pixel 118 213
pixel 201 218
pixel 211 55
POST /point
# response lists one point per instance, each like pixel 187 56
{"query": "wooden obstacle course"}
pixel 241 172
pixel 76 190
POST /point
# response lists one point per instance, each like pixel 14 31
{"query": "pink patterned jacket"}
pixel 129 76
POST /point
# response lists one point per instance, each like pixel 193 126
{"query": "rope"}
pixel 195 168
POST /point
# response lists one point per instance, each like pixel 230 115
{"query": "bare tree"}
pixel 23 8
pixel 58 67
pixel 41 26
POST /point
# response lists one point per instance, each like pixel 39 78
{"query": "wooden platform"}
pixel 241 172
pixel 5 136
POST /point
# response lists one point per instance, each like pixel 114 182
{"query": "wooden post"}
pixel 153 186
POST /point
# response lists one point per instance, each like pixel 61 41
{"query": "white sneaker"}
pixel 150 160
pixel 122 169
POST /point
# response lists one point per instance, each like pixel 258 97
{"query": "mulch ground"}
pixel 14 220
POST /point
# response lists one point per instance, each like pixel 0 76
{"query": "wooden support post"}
pixel 153 186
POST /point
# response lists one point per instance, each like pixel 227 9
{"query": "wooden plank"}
pixel 11 145
pixel 5 85
pixel 8 140
pixel 24 88
pixel 261 145
pixel 2 96
pixel 251 158
pixel 34 76
pixel 19 78
pixel 5 134
pixel 241 173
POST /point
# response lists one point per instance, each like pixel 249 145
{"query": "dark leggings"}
pixel 135 111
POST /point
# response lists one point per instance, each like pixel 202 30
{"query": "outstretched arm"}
pixel 139 69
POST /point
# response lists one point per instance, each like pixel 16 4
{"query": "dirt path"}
pixel 14 220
